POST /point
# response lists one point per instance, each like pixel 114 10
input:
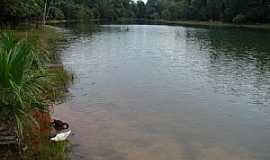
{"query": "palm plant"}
pixel 21 78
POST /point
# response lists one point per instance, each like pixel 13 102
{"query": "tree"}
pixel 248 11
pixel 140 9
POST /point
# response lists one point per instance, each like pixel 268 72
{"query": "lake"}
pixel 157 92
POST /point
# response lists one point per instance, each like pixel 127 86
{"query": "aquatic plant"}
pixel 21 76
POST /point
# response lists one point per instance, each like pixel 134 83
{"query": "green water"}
pixel 156 92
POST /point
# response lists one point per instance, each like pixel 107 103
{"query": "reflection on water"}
pixel 147 92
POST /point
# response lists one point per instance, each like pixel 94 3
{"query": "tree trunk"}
pixel 45 12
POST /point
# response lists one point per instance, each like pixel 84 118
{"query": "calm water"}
pixel 145 92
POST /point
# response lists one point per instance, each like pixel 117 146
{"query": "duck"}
pixel 61 136
pixel 59 125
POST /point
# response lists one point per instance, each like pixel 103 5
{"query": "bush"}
pixel 59 14
pixel 84 13
pixel 20 82
pixel 166 14
pixel 240 19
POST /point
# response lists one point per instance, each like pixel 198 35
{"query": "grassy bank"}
pixel 37 144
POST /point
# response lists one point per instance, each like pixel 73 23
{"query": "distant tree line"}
pixel 236 11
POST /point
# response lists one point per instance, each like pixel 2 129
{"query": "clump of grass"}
pixel 60 80
pixel 51 151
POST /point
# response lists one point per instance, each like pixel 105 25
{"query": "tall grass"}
pixel 21 76
pixel 55 151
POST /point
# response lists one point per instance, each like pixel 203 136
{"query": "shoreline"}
pixel 217 24
pixel 50 22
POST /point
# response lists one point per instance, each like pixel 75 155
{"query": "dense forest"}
pixel 236 11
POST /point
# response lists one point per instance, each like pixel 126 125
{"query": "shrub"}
pixel 21 76
pixel 59 14
pixel 165 14
pixel 85 13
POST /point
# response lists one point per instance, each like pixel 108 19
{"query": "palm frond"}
pixel 21 78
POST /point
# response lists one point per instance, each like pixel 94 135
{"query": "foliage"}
pixel 20 82
pixel 228 10
pixel 54 151
pixel 53 88
pixel 84 13
pixel 214 10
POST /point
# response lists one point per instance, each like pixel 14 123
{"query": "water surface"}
pixel 156 92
